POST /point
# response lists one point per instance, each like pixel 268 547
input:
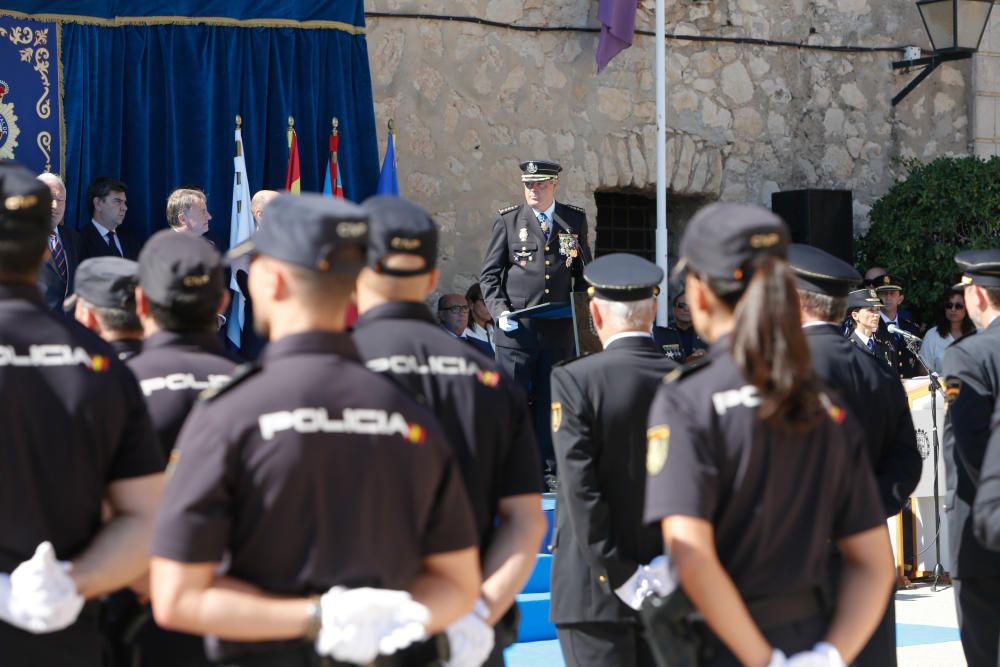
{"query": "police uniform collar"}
pixel 396 310
pixel 630 339
pixel 205 340
pixel 22 291
pixel 311 342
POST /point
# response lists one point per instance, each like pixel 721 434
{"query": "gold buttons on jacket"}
pixel 602 578
pixel 547 262
pixel 546 291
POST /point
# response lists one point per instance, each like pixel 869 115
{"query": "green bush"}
pixel 936 211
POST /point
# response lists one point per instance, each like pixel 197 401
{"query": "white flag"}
pixel 240 230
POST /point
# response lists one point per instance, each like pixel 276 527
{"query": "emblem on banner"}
pixel 8 125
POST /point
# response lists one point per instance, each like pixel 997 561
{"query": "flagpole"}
pixel 663 300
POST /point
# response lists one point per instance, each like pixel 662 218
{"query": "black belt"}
pixel 774 612
pixel 429 653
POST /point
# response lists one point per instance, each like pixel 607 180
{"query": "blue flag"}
pixel 388 181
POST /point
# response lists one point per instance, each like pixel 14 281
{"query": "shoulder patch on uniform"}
pixel 687 369
pixel 657 447
pixel 239 375
pixel 508 209
pixel 576 208
pixel 952 388
pixel 556 415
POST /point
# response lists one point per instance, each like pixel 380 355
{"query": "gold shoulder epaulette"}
pixel 239 375
pixel 509 209
pixel 576 208
pixel 685 370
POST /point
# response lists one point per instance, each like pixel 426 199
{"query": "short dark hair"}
pixel 673 302
pixel 825 307
pixel 116 319
pixel 101 187
pixel 186 315
pixel 993 295
pixel 23 256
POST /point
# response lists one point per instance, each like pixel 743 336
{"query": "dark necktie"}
pixel 113 245
pixel 58 255
pixel 871 345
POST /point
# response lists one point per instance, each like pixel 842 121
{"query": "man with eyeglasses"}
pixel 680 341
pixel 536 255
pixel 453 314
pixel 108 204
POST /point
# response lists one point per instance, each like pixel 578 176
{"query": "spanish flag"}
pixel 293 180
pixel 332 185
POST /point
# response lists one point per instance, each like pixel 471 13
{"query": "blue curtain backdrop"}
pixel 154 104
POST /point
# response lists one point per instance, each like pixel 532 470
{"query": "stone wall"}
pixel 470 101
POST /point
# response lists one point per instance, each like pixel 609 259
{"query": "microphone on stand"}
pixel 893 329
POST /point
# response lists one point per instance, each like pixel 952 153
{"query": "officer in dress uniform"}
pixel 104 302
pixel 180 292
pixel 76 435
pixel 971 371
pixel 536 255
pixel 872 395
pixel 890 291
pixel 599 407
pixel 863 307
pixel 331 496
pixel 483 414
pixel 752 466
pixel 680 341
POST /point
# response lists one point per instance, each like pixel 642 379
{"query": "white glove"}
pixel 778 659
pixel 821 655
pixel 647 580
pixel 39 595
pixel 506 325
pixel 470 638
pixel 359 624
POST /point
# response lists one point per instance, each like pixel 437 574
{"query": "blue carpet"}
pixel 535 654
pixel 915 635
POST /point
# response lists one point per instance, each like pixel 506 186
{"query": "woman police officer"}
pixel 753 468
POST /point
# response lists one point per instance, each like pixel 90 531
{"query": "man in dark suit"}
pixel 599 407
pixel 971 371
pixel 108 204
pixel 55 278
pixel 872 393
pixel 536 255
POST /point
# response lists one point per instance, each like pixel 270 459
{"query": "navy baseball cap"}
pixel 177 266
pixel 979 267
pixel 397 226
pixel 306 229
pixel 25 203
pixel 105 282
pixel 721 240
pixel 820 272
pixel 622 276
pixel 539 170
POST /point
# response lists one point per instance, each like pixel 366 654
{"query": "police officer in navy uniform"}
pixel 890 290
pixel 536 255
pixel 872 394
pixel 104 302
pixel 753 467
pixel 599 407
pixel 971 371
pixel 863 307
pixel 680 341
pixel 329 494
pixel 181 290
pixel 76 436
pixel 483 414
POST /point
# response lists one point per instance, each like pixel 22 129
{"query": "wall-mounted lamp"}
pixel 955 28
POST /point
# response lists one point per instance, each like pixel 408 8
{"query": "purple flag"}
pixel 617 19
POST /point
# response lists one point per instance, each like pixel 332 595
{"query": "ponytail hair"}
pixel 769 347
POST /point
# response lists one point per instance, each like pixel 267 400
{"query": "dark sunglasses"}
pixel 681 304
pixel 954 306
